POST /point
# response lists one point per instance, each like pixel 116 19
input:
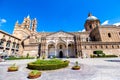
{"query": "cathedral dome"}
pixel 91 17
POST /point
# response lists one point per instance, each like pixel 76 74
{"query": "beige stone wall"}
pixel 114 34
pixel 10 40
pixel 31 49
pixel 86 53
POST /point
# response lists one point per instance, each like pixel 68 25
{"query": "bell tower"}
pixel 34 25
pixel 91 22
pixel 26 22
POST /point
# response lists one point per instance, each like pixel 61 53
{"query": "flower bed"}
pixel 34 74
pixel 12 68
pixel 47 64
pixel 76 66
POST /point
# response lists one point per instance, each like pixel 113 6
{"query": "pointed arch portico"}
pixel 60 44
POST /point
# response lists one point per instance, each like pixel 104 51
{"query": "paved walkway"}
pixel 91 69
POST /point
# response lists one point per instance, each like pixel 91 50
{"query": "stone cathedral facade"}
pixel 67 44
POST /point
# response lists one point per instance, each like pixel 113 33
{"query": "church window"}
pixel 118 46
pixel 91 47
pixel 87 39
pixel 101 46
pixel 106 46
pixel 8 44
pixel 85 47
pixel 60 46
pixel 112 46
pixel 96 25
pixel 96 47
pixel 90 26
pixel 1 42
pixel 17 46
pixel 13 46
pixel 109 35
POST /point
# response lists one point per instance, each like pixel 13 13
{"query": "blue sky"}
pixel 55 15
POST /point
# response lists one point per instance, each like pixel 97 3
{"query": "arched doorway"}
pixel 61 50
pixel 71 51
pixel 60 54
pixel 51 50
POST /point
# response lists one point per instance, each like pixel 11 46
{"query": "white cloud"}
pixel 82 30
pixel 117 24
pixel 105 22
pixel 2 21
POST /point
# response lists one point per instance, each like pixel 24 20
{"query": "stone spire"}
pixel 28 16
pixel 34 24
pixel 89 14
pixel 26 22
pixel 16 24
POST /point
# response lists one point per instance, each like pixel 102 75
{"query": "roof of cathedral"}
pixel 91 17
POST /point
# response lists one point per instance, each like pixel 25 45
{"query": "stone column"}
pixel 67 48
pixel 55 48
pixel 47 50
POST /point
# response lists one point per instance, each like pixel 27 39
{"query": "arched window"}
pixel 96 46
pixel 90 26
pixel 85 47
pixel 109 35
pixel 8 44
pixel 106 46
pixel 87 39
pixel 1 42
pixel 60 46
pixel 112 46
pixel 118 46
pixel 101 46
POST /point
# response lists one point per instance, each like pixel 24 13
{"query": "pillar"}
pixel 55 48
pixel 67 48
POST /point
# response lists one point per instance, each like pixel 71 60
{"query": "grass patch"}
pixel 18 58
pixel 47 64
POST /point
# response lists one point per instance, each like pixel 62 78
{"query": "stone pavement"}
pixel 91 69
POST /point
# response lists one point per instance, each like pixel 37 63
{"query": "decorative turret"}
pixel 16 24
pixel 26 22
pixel 91 22
pixel 34 24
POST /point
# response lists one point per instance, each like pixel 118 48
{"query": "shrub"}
pixel 27 56
pixel 76 66
pixel 47 64
pixel 98 53
pixel 18 58
pixel 34 74
pixel 105 56
pixel 111 56
pixel 13 67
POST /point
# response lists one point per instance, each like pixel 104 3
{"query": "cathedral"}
pixel 62 44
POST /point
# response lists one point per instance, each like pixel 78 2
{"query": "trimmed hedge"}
pixel 99 53
pixel 47 64
pixel 106 56
pixel 18 58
